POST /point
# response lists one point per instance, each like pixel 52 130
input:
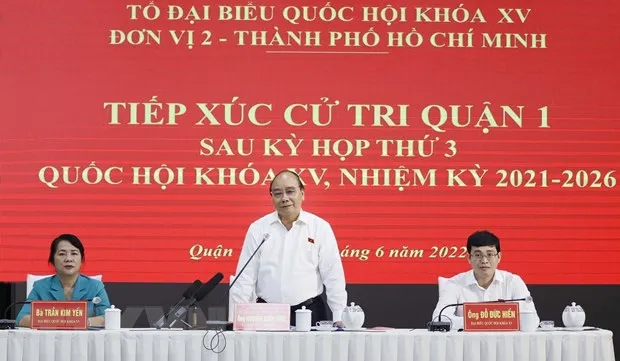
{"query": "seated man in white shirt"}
pixel 299 257
pixel 483 283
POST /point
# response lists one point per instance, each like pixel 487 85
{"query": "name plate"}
pixel 262 317
pixel 59 315
pixel 493 316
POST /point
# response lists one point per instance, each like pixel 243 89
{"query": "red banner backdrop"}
pixel 152 131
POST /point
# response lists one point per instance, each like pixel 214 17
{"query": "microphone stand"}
pixel 228 326
pixel 248 262
pixel 442 326
pixel 445 326
pixel 7 324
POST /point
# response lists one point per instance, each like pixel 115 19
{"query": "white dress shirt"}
pixel 464 288
pixel 292 265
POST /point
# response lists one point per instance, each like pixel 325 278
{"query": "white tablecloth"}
pixel 393 345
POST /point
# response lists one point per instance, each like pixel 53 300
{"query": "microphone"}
pixel 206 288
pixel 445 326
pixel 7 323
pixel 441 325
pixel 189 292
pixel 265 238
pixel 220 325
pixel 228 326
pixel 527 299
pixel 179 311
pixel 95 300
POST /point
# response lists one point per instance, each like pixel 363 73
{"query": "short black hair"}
pixel 75 242
pixel 482 239
pixel 301 184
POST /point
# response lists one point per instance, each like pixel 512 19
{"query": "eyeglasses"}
pixel 478 256
pixel 278 193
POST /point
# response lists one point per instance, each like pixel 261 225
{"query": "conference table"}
pixel 370 345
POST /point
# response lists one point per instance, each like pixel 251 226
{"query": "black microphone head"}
pixel 209 286
pixel 189 292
